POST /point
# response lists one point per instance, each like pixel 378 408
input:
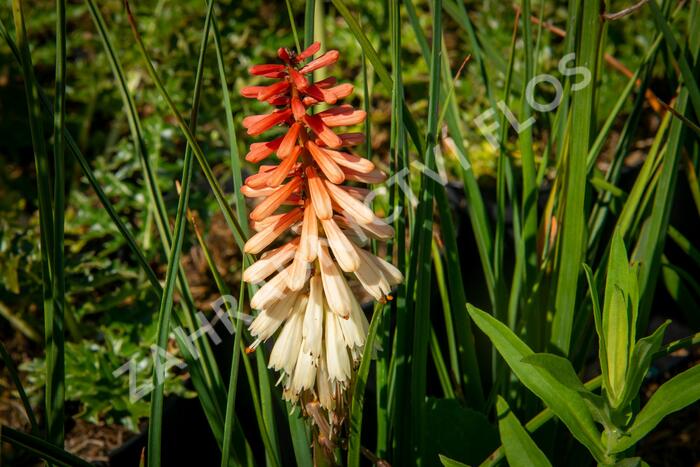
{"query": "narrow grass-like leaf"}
pixel 573 231
pixel 55 351
pixel 300 438
pixel 211 382
pixel 598 321
pixel 226 209
pixel 14 376
pixel 469 376
pixel 446 310
pixel 443 374
pixel 52 322
pixel 294 26
pixel 420 269
pixel 233 434
pixel 231 130
pixel 529 189
pixel 679 55
pixel 661 209
pixel 309 22
pixel 268 410
pixel 230 419
pixel 642 183
pixel 166 303
pixel 387 362
pixel 380 70
pixel 90 176
pixel 358 392
pixel 41 448
pixel 521 450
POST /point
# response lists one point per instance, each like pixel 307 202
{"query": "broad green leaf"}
pixel 632 462
pixel 447 462
pixel 566 403
pixel 457 432
pixel 521 450
pixel 642 355
pixel 599 408
pixel 559 367
pixel 677 393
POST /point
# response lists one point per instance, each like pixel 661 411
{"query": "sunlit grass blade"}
pixel 602 207
pixel 446 310
pixel 443 374
pixel 643 182
pixel 502 170
pixel 231 423
pixel 134 122
pixel 458 13
pixel 380 70
pixel 156 418
pixel 290 11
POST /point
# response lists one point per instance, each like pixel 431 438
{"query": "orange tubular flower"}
pixel 306 295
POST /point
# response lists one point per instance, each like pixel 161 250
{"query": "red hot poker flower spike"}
pixel 306 300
